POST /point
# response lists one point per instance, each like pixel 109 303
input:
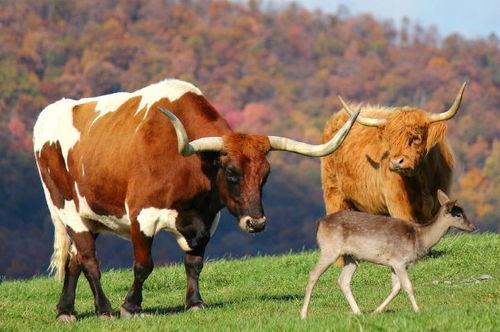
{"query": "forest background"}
pixel 273 71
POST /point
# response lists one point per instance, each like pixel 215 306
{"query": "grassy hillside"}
pixel 265 293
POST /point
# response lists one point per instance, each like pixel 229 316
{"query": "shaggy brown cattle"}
pixel 115 164
pixel 393 162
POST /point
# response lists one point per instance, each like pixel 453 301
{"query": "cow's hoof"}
pixel 107 315
pixel 197 307
pixel 66 318
pixel 124 313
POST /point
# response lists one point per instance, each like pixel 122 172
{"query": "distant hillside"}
pixel 273 72
pixel 457 289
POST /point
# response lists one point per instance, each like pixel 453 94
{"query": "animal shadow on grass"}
pixel 154 311
pixel 435 253
pixel 179 309
pixel 281 297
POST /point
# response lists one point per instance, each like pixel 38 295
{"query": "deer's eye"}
pixel 456 212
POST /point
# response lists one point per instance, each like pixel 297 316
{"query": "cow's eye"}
pixel 414 140
pixel 232 176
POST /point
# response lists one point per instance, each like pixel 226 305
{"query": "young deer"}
pixel 381 240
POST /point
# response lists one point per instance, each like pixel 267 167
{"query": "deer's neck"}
pixel 431 233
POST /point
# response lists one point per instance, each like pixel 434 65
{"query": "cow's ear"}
pixel 435 134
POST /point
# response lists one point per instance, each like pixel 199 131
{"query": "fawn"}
pixel 381 240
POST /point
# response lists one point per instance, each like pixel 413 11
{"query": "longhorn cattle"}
pixel 393 162
pixel 115 164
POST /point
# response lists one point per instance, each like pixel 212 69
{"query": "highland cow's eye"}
pixel 414 140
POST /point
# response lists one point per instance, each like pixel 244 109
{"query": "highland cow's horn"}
pixel 187 148
pixel 453 109
pixel 311 150
pixel 371 122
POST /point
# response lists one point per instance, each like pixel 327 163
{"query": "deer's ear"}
pixel 442 197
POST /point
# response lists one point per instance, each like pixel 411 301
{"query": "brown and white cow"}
pixel 115 164
pixel 393 162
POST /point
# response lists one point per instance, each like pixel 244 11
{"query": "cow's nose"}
pixel 397 163
pixel 255 225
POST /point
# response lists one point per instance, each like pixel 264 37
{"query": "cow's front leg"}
pixel 400 211
pixel 143 265
pixel 397 201
pixel 193 264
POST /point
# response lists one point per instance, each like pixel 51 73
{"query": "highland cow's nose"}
pixel 397 163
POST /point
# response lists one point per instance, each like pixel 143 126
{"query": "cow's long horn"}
pixel 371 122
pixel 453 109
pixel 187 148
pixel 287 144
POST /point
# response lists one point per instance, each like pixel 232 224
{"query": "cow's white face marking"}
pixel 151 220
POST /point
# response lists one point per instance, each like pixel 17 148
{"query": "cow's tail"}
pixel 61 252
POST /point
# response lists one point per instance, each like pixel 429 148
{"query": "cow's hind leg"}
pixel 143 266
pixel 66 307
pixel 85 247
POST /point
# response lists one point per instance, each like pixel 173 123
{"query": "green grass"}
pixel 265 293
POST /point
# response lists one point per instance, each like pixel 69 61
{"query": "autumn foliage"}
pixel 274 71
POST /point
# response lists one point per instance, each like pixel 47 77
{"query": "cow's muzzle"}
pixel 400 165
pixel 251 224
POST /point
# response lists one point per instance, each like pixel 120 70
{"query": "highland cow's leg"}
pixel 326 259
pixel 143 266
pixel 66 306
pixel 345 282
pixel 85 247
pixel 334 200
pixel 193 264
pixel 396 286
pixel 405 282
pixel 398 203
